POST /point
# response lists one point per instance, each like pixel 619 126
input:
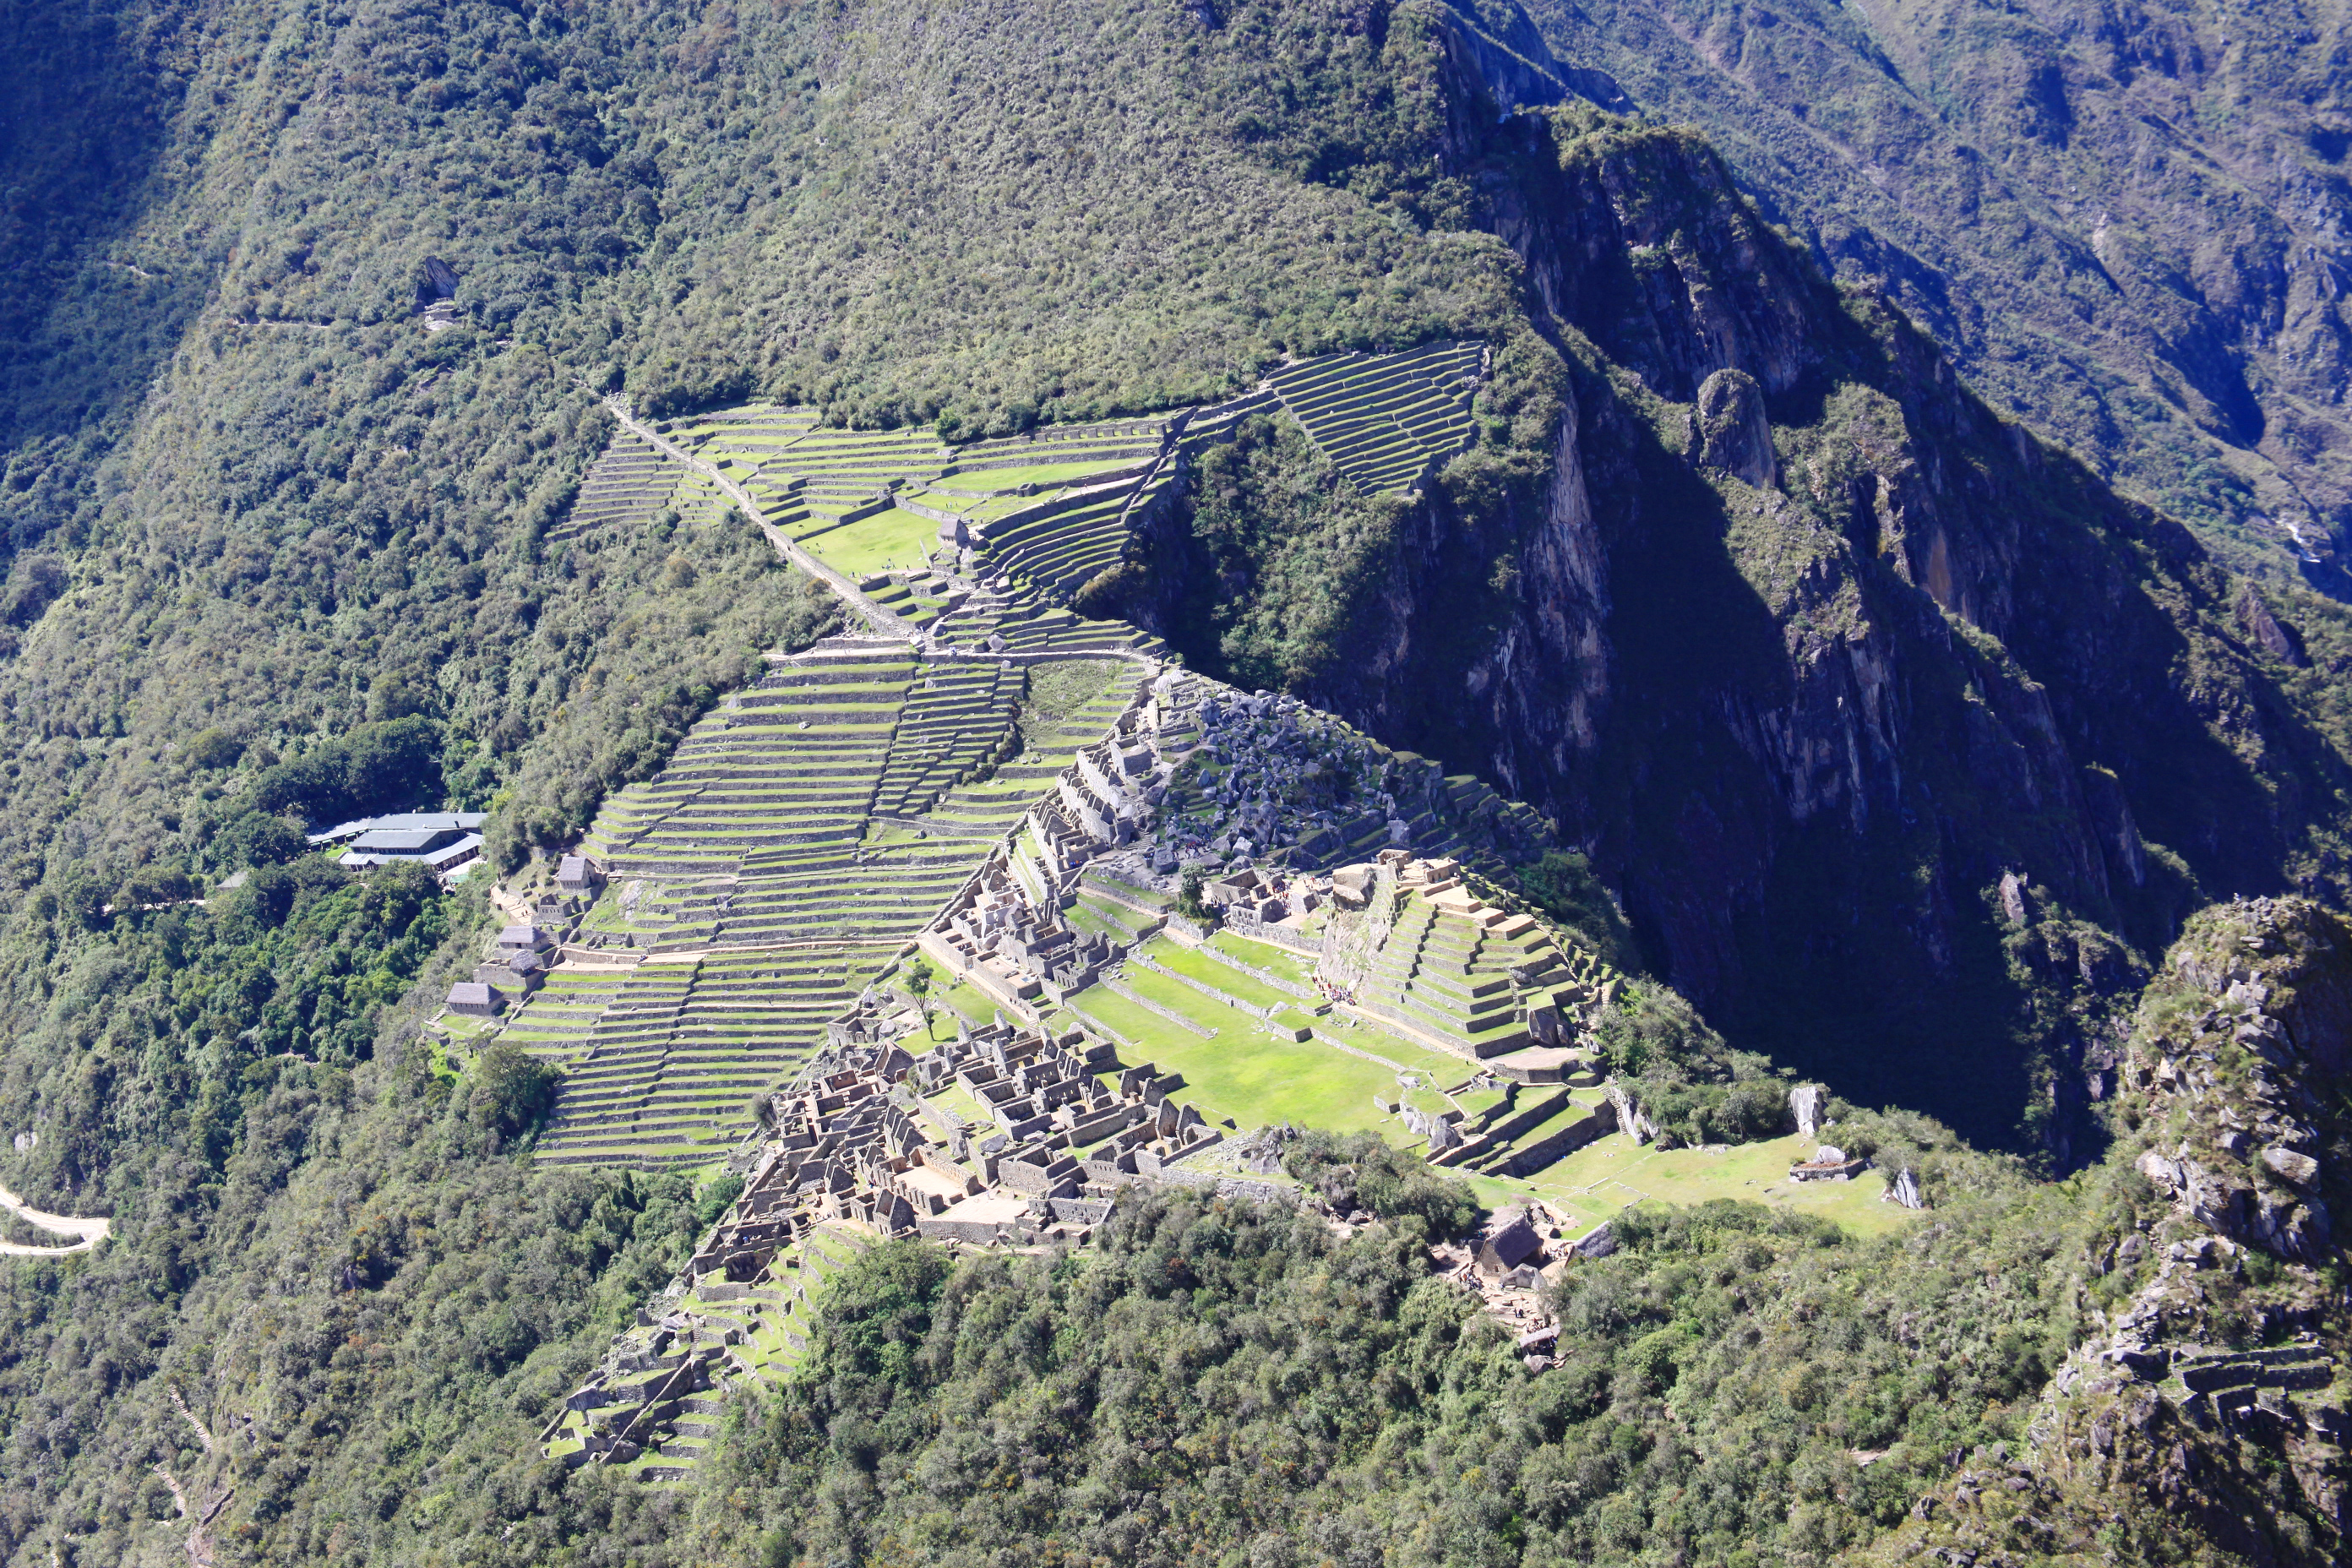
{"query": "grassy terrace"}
pixel 979 481
pixel 1383 418
pixel 1245 1074
pixel 895 539
pixel 625 488
pixel 1171 954
pixel 1614 1172
pixel 1292 966
pixel 1027 628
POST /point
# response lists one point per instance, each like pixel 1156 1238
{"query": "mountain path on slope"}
pixel 92 1231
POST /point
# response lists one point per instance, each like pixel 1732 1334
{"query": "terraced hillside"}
pixel 1052 510
pixel 628 484
pixel 806 830
pixel 799 838
pixel 1386 421
pixel 1463 984
pixel 676 1395
pixel 808 479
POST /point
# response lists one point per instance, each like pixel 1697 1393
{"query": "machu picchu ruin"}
pixel 1222 785
pixel 959 921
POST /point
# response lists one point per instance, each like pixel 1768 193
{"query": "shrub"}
pixel 1359 1170
pixel 511 1091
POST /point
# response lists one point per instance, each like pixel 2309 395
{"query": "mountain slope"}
pixel 1811 648
pixel 1904 741
pixel 2123 220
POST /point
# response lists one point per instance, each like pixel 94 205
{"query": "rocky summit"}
pixel 1413 783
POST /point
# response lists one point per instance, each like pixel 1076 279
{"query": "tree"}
pixel 512 1090
pixel 918 977
pixel 1188 902
pixel 257 839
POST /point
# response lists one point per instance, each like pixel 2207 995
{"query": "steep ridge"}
pixel 2123 220
pixel 2210 1389
pixel 1798 627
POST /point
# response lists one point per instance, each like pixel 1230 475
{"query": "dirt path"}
pixel 92 1231
pixel 885 622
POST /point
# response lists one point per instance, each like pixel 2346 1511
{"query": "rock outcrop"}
pixel 2235 1046
pixel 2208 1398
pixel 1797 625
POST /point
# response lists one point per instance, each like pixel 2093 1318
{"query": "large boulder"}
pixel 1734 434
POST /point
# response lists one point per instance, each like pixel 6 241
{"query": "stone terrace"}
pixel 628 484
pixel 793 761
pixel 808 479
pixel 1386 421
pixel 802 835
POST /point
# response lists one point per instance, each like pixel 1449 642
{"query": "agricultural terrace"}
pixel 800 837
pixel 627 484
pixel 1386 421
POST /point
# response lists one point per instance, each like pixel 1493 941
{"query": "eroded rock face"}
pixel 2236 1049
pixel 2206 1391
pixel 1734 434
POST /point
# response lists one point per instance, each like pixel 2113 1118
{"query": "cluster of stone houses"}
pixel 524 951
pixel 1004 931
pixel 1016 949
pixel 1004 1135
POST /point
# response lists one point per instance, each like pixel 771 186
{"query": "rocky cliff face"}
pixel 1814 651
pixel 2125 219
pixel 2209 1395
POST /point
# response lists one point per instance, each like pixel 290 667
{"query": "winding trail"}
pixel 92 1231
pixel 884 623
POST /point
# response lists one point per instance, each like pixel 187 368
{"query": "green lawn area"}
pixel 1081 916
pixel 1437 1067
pixel 1108 888
pixel 1614 1172
pixel 888 539
pixel 1248 1075
pixel 966 999
pixel 1128 920
pixel 1181 998
pixel 1170 953
pixel 1001 507
pixel 957 1101
pixel 1295 967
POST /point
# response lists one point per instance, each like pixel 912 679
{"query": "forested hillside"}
pixel 1880 727
pixel 2124 221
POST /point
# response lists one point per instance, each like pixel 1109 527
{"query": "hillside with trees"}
pixel 1891 678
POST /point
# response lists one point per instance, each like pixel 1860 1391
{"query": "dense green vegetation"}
pixel 275 554
pixel 2099 223
pixel 1242 1386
